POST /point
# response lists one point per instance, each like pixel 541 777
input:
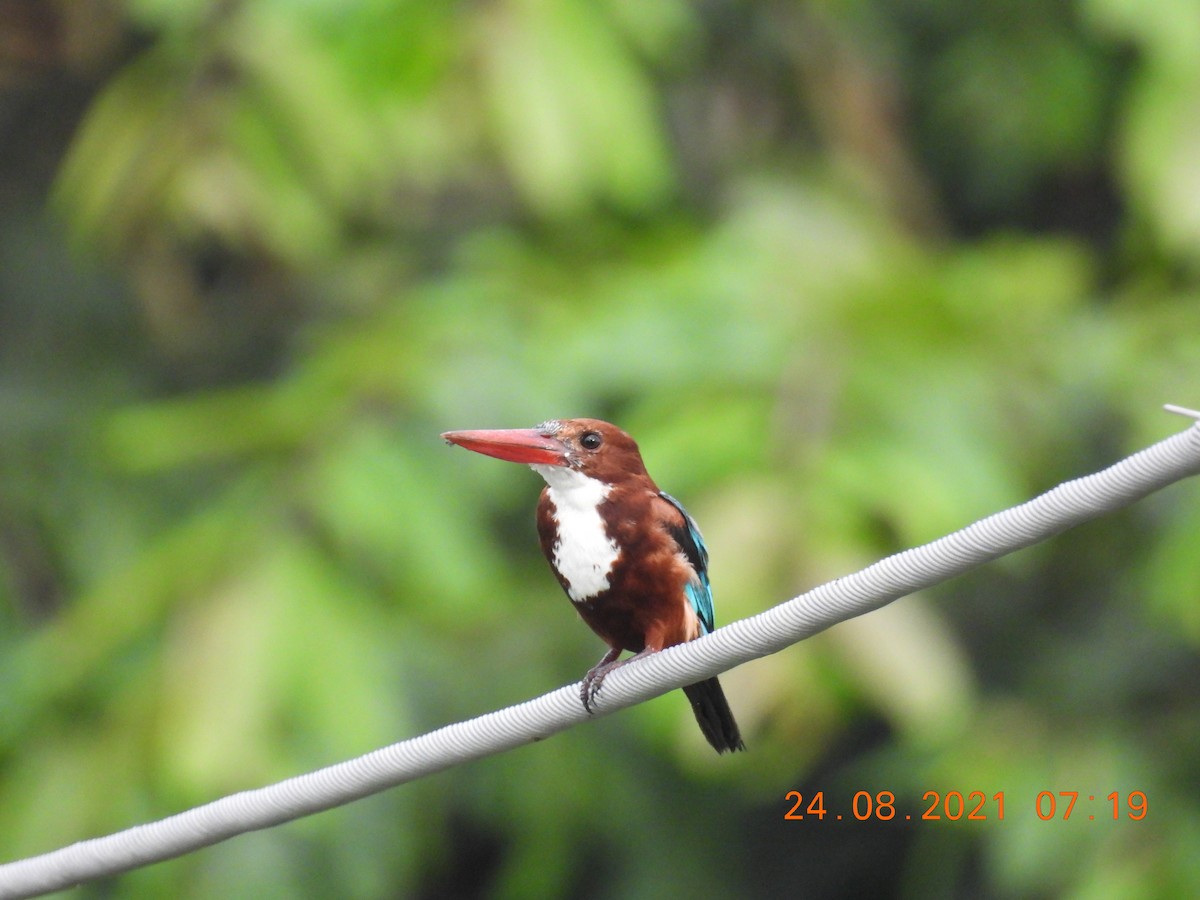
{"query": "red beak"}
pixel 519 445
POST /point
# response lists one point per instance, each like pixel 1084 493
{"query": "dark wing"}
pixel 687 535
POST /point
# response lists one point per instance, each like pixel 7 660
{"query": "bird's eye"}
pixel 591 440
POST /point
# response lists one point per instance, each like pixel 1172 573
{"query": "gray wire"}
pixel 1066 505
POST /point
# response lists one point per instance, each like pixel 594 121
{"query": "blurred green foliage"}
pixel 854 273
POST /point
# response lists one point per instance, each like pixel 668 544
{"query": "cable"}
pixel 1066 505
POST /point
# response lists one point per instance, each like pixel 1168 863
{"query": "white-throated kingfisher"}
pixel 628 555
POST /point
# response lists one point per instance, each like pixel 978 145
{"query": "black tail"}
pixel 714 715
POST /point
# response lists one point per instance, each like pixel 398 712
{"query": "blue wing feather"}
pixel 699 591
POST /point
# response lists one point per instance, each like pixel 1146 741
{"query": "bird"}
pixel 628 555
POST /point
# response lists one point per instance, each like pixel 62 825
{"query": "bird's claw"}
pixel 591 687
pixel 597 673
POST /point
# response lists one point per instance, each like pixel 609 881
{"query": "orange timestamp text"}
pixel 972 806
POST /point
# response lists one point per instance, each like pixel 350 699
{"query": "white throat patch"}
pixel 584 553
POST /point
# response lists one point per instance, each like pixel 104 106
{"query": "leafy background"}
pixel 855 273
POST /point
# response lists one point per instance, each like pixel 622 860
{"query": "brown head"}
pixel 592 447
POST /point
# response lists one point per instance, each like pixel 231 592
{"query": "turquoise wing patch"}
pixel 690 541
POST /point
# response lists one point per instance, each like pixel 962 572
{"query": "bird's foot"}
pixel 595 677
pixel 597 673
pixel 591 683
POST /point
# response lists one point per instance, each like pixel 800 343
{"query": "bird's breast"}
pixel 580 547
